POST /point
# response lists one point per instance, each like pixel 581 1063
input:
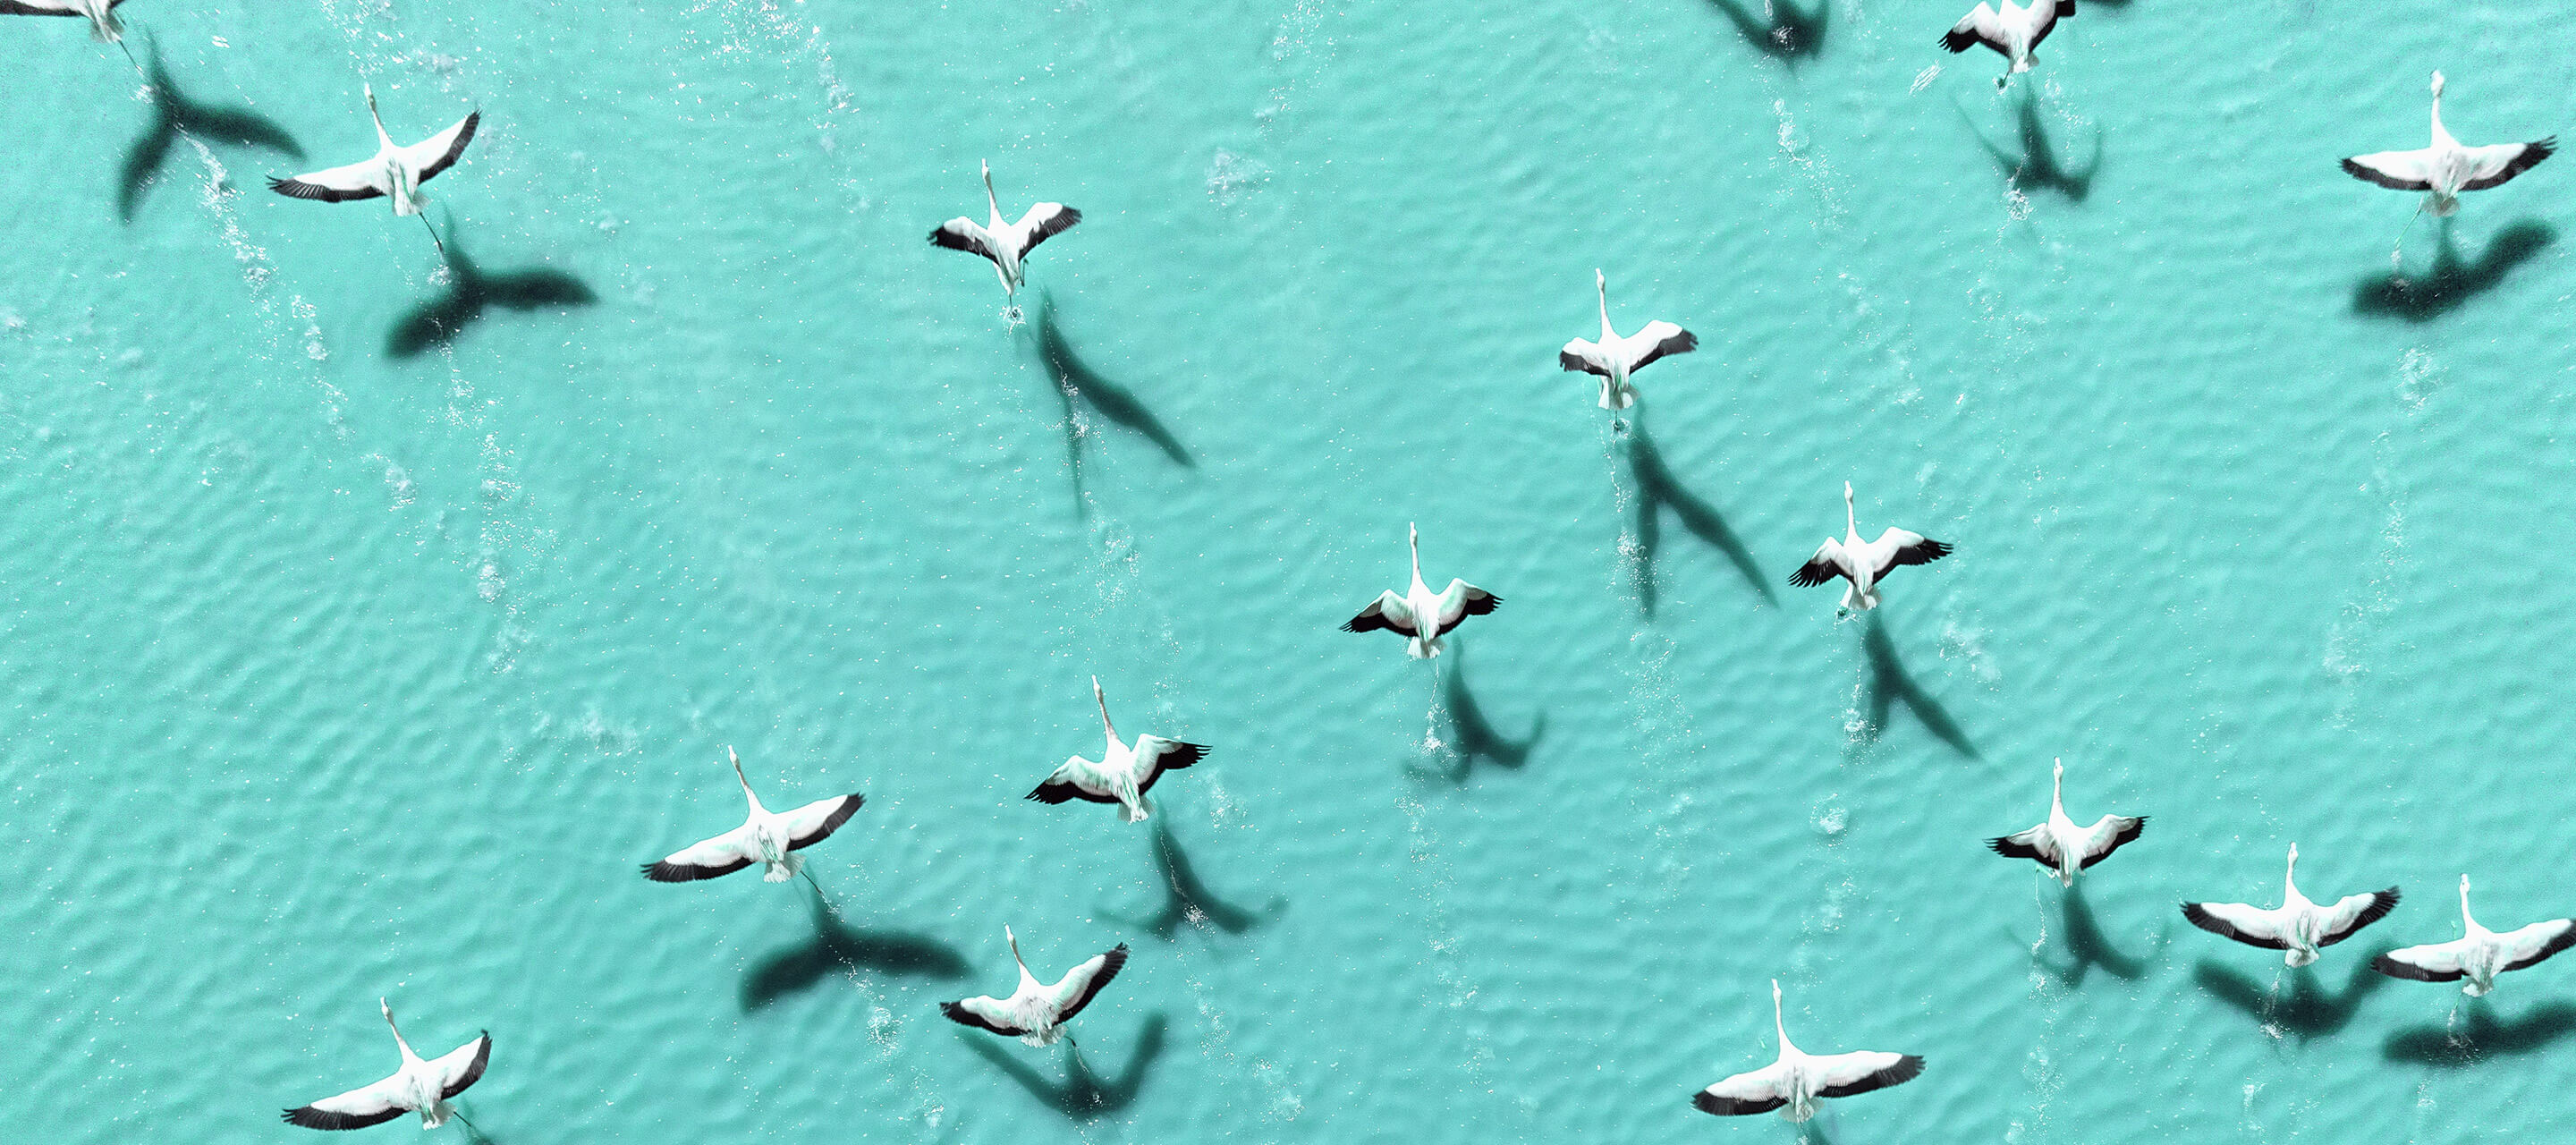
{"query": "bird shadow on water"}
pixel 1658 489
pixel 1783 32
pixel 1187 899
pixel 836 947
pixel 1075 381
pixel 2482 1036
pixel 2087 948
pixel 2451 282
pixel 175 116
pixel 1083 1094
pixel 2038 165
pixel 2308 1011
pixel 1473 737
pixel 471 291
pixel 1888 682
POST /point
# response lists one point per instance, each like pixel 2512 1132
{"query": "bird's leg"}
pixel 825 899
pixel 470 1127
pixel 129 58
pixel 433 236
pixel 2396 254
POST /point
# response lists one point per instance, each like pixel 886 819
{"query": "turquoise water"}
pixel 347 662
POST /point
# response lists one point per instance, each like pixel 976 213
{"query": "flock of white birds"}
pixel 1037 1012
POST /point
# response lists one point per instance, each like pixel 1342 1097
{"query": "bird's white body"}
pixel 2013 30
pixel 1795 1082
pixel 1864 564
pixel 2063 847
pixel 2448 167
pixel 1617 356
pixel 1006 243
pixel 419 1085
pixel 1036 1011
pixel 768 837
pixel 103 24
pixel 1123 774
pixel 395 172
pixel 2480 954
pixel 2297 926
pixel 1421 615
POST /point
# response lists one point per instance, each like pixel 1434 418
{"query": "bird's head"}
pixel 2437 85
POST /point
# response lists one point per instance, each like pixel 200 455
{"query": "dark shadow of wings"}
pixel 2087 948
pixel 1658 490
pixel 1784 32
pixel 2310 1010
pixel 1083 1094
pixel 473 291
pixel 2482 1036
pixel 839 948
pixel 1113 401
pixel 1889 682
pixel 2451 282
pixel 1473 736
pixel 2038 165
pixel 174 115
pixel 1187 899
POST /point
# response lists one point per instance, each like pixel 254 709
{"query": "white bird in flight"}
pixel 2447 168
pixel 1421 615
pixel 396 171
pixel 1614 358
pixel 771 837
pixel 1123 775
pixel 425 1086
pixel 1793 1084
pixel 2015 30
pixel 103 24
pixel 1006 243
pixel 2063 847
pixel 2297 925
pixel 1036 1012
pixel 1864 564
pixel 2481 954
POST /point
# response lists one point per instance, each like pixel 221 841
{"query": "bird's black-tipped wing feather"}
pixel 455 149
pixel 1053 225
pixel 1707 1102
pixel 2532 153
pixel 959 1014
pixel 297 189
pixel 1175 754
pixel 13 8
pixel 1110 963
pixel 2381 902
pixel 1958 39
pixel 2372 175
pixel 2200 917
pixel 1906 1069
pixel 798 840
pixel 2137 826
pixel 2010 847
pixel 2565 939
pixel 2396 969
pixel 311 1118
pixel 1055 791
pixel 1681 343
pixel 1573 361
pixel 473 1070
pixel 667 871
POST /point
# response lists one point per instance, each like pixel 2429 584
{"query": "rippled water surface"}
pixel 369 620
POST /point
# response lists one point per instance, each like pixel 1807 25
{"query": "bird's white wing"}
pixel 2537 941
pixel 356 1109
pixel 815 822
pixel 1899 547
pixel 2036 844
pixel 707 858
pixel 1079 778
pixel 1043 222
pixel 1082 983
pixel 983 1013
pixel 2496 163
pixel 37 8
pixel 2109 833
pixel 1754 1091
pixel 1389 611
pixel 1156 755
pixel 962 233
pixel 2043 16
pixel 1582 354
pixel 2251 925
pixel 438 152
pixel 1461 600
pixel 2435 962
pixel 2395 170
pixel 362 180
pixel 1981 26
pixel 1864 1070
pixel 1655 341
pixel 2353 912
pixel 1828 563
pixel 459 1068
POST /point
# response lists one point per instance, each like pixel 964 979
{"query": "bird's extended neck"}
pixel 2290 880
pixel 2441 136
pixel 990 199
pixel 756 808
pixel 388 1009
pixel 1851 517
pixel 383 139
pixel 1026 978
pixel 1602 285
pixel 1413 540
pixel 1779 1024
pixel 1111 730
pixel 2467 920
pixel 2057 791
